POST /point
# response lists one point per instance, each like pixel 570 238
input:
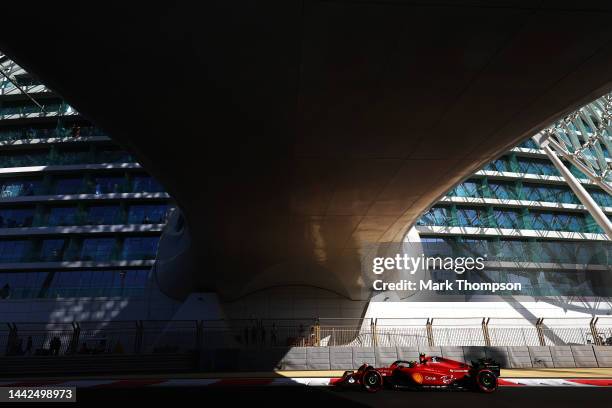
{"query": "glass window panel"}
pixel 536 166
pixel 103 215
pixel 16 217
pixel 147 214
pixel 470 188
pixel 140 248
pixel 14 251
pixel 502 191
pixel 553 221
pixel 472 217
pixel 507 218
pixel 147 184
pixel 601 197
pixel 18 188
pixel 501 165
pixel 52 250
pixel 68 185
pixel 529 144
pixel 97 249
pixel 59 216
pixel 108 185
pixel 435 216
pixel 24 159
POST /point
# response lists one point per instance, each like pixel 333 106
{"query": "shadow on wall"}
pixel 299 358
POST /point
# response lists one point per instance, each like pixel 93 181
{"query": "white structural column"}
pixel 584 197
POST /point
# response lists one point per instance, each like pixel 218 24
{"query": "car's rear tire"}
pixel 372 381
pixel 486 381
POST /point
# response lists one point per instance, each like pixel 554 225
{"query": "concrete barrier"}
pixel 407 353
pixel 499 354
pixel 454 353
pixel 519 357
pixel 433 351
pixel 340 358
pixel 318 358
pixel 226 359
pixel 350 358
pixel 603 354
pixel 363 355
pixel 541 357
pixel 562 356
pixel 313 358
pixel 385 355
pixel 584 356
pixel 474 353
pixel 296 358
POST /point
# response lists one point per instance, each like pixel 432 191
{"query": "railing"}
pixel 56 109
pixel 65 159
pixel 61 133
pixel 12 189
pixel 188 336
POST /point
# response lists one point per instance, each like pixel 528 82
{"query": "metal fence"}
pixel 150 337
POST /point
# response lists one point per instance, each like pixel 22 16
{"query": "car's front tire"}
pixel 486 381
pixel 372 381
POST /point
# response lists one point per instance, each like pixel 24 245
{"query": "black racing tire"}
pixel 486 381
pixel 372 381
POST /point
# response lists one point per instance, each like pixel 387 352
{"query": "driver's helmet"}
pixel 422 358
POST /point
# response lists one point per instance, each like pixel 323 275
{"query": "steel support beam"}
pixel 585 198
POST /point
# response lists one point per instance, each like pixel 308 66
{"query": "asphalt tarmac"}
pixel 313 397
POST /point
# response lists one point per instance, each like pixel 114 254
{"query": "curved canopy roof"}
pixel 295 134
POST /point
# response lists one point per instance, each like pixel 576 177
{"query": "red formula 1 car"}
pixel 428 372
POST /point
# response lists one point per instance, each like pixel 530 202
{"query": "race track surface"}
pixel 314 397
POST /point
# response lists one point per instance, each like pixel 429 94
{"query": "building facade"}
pixel 79 217
pixel 80 222
pixel 519 210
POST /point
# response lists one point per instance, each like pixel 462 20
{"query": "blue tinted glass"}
pixel 472 217
pixel 72 185
pixel 18 188
pixel 500 165
pixel 147 214
pixel 85 277
pixel 103 215
pixel 601 197
pixel 14 251
pixel 75 279
pixel 146 184
pixel 537 166
pixel 16 218
pixel 97 249
pixel 529 144
pixel 17 285
pixel 507 218
pixel 52 250
pixel 435 216
pixel 108 185
pixel 550 221
pixel 60 216
pixel 136 278
pixel 140 247
pixel 501 190
pixel 467 189
pixel 24 159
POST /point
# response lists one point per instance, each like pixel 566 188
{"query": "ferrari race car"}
pixel 428 372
